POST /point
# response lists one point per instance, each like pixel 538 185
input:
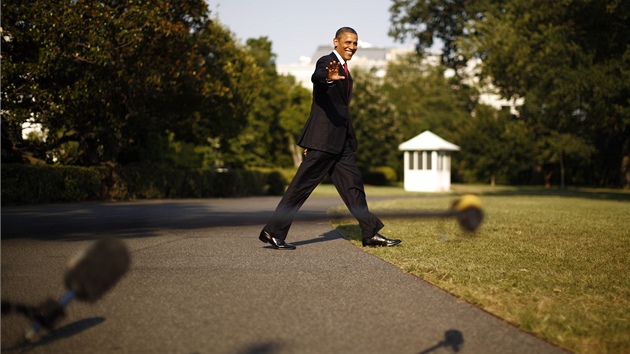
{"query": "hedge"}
pixel 41 184
pixel 380 176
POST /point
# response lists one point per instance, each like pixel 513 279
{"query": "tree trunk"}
pixel 625 172
pixel 548 175
pixel 561 171
pixel 296 152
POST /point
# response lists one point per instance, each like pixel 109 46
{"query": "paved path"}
pixel 201 282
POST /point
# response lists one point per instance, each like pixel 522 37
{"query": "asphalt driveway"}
pixel 201 282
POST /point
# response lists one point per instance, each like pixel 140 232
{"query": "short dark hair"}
pixel 343 30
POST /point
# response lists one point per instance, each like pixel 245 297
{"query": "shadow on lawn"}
pixel 599 194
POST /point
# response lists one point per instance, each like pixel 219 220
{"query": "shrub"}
pixel 40 184
pixel 276 183
pixel 390 174
pixel 380 176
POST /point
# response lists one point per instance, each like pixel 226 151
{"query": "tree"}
pixel 425 99
pixel 568 60
pixel 276 117
pixel 428 20
pixel 262 141
pixel 572 75
pixel 294 115
pixel 254 144
pixel 494 147
pixel 555 151
pixel 375 121
pixel 103 77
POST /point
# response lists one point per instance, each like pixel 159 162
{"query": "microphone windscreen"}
pixel 98 269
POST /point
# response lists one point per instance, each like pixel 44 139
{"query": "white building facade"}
pixel 368 57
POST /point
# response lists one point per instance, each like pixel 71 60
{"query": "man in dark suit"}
pixel 329 141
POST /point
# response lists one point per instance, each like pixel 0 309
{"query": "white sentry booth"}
pixel 427 160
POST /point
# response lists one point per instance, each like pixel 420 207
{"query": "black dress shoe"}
pixel 380 240
pixel 275 242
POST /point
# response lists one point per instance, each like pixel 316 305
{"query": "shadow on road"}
pixel 453 342
pixel 88 221
pixel 66 331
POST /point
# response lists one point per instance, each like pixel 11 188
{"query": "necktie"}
pixel 345 68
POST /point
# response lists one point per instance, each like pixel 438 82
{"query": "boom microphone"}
pixel 98 269
pixel 467 210
pixel 88 277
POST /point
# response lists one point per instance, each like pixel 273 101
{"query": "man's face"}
pixel 346 45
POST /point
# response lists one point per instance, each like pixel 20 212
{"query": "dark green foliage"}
pixel 567 60
pixel 276 183
pixel 380 176
pixel 429 20
pixel 40 184
pixel 390 174
pixel 104 78
pixel 374 178
pixel 376 122
pixel 275 118
pixel 152 182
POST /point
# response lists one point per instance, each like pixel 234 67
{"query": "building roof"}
pixel 370 53
pixel 427 141
pixel 366 58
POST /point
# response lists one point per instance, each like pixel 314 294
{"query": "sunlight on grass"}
pixel 556 264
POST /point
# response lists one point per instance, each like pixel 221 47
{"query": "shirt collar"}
pixel 341 61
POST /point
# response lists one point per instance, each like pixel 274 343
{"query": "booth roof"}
pixel 427 141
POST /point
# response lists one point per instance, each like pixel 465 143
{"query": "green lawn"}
pixel 553 263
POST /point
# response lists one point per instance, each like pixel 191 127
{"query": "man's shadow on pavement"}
pixel 328 236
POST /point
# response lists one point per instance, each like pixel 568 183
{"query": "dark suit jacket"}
pixel 329 125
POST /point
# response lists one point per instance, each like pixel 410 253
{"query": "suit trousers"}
pixel 347 179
